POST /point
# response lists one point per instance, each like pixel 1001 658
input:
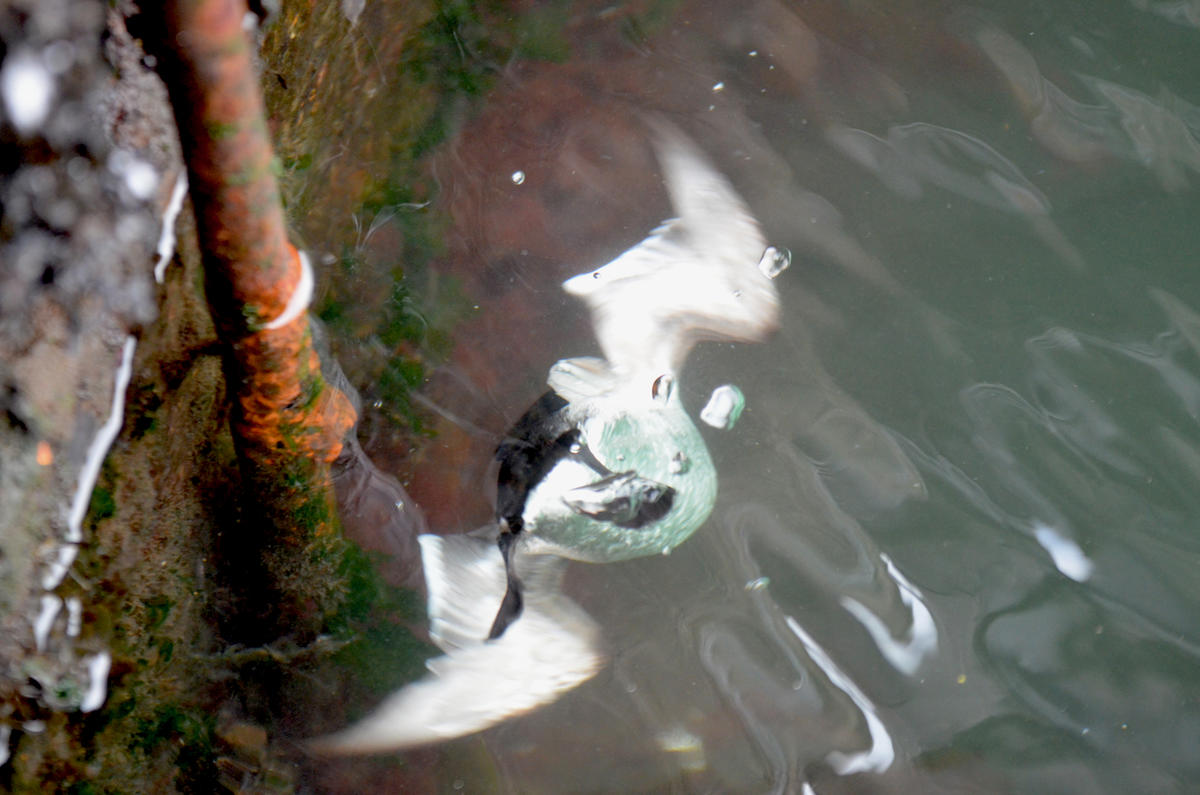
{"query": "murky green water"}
pixel 957 544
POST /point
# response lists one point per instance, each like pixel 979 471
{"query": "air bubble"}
pixel 774 261
pixel 662 388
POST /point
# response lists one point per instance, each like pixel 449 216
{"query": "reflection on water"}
pixel 954 544
pixel 604 467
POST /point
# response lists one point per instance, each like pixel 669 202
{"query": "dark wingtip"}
pixel 510 610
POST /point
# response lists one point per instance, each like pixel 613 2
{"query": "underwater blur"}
pixel 954 542
pixel 703 275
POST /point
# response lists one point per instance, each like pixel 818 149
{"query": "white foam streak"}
pixel 879 757
pixel 300 299
pixel 100 444
pixel 57 568
pixel 51 604
pixel 74 616
pixel 98 668
pixel 64 556
pixel 921 640
pixel 166 240
pixel 1067 556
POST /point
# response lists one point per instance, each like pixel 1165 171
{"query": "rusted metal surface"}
pixel 287 419
pixel 251 274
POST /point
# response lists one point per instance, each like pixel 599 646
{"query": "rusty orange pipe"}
pixel 288 423
pixel 219 111
pixel 283 405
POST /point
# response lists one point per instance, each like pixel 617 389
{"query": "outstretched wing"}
pixel 704 275
pixel 553 647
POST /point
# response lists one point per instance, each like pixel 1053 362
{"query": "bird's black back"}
pixel 535 443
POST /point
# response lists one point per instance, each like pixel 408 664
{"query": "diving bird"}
pixel 606 466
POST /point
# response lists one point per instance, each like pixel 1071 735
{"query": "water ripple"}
pixel 1084 470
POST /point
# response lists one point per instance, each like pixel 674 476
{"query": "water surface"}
pixel 955 545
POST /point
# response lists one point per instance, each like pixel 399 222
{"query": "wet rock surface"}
pixel 123 634
pixel 114 445
pixel 78 228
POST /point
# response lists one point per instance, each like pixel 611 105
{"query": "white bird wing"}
pixel 582 379
pixel 714 227
pixel 464 576
pixel 704 275
pixel 551 648
pixel 717 221
pixel 666 246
